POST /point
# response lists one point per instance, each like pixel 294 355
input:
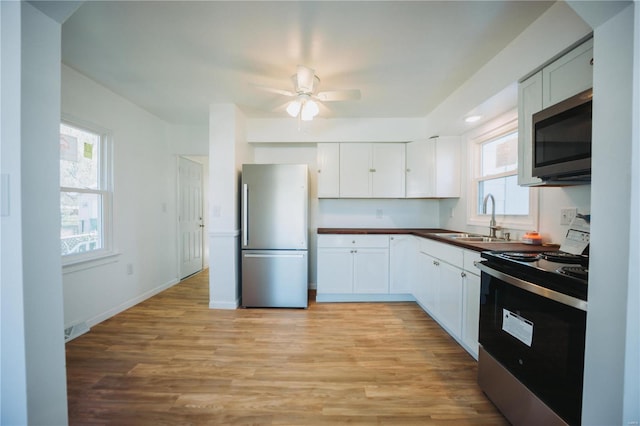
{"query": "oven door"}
pixel 538 340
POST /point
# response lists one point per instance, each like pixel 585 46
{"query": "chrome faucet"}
pixel 492 222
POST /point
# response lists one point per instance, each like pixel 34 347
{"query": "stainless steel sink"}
pixel 454 235
pixel 482 239
pixel 473 238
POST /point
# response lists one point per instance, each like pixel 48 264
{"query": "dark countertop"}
pixel 431 234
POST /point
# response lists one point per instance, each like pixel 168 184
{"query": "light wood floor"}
pixel 173 361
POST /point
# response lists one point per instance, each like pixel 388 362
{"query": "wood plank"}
pixel 172 360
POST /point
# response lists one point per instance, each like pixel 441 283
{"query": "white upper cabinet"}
pixel 372 170
pixel 433 168
pixel 421 169
pixel 388 177
pixel 529 102
pixel 568 75
pixel 328 158
pixel 355 170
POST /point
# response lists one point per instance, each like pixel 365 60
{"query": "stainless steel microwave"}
pixel 562 140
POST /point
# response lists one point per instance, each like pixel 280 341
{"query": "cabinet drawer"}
pixel 352 240
pixel 470 257
pixel 445 252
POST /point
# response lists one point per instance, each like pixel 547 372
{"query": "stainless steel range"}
pixel 533 309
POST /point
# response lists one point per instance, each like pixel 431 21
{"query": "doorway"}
pixel 190 217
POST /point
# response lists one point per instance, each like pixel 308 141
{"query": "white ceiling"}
pixel 174 58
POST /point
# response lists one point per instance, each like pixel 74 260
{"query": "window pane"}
pixel 500 155
pixel 81 228
pixel 79 158
pixel 511 199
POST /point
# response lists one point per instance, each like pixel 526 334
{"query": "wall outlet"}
pixel 567 215
pixel 379 214
pixel 129 268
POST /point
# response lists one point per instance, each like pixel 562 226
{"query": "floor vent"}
pixel 74 331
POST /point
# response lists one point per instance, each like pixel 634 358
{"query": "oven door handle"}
pixel 565 299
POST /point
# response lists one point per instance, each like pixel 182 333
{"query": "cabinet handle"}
pixel 319 171
pixel 591 61
pixel 462 274
pixel 408 170
pixel 436 263
pixel 372 170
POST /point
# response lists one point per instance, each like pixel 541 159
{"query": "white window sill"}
pixel 87 262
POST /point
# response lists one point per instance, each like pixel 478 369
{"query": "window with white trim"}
pixel 85 193
pixel 494 166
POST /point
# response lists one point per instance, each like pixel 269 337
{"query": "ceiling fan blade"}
pixel 339 95
pixel 305 79
pixel 273 90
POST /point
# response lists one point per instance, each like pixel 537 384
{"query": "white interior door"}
pixel 191 224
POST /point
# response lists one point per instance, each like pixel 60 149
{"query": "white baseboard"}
pixel 130 303
pixel 330 297
pixel 224 305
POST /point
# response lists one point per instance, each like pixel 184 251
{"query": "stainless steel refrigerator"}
pixel 274 235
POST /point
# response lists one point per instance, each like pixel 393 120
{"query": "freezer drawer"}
pixel 274 278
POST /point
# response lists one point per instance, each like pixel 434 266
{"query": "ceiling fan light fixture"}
pixel 309 110
pixel 293 109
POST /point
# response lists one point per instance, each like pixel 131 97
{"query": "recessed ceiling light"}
pixel 472 118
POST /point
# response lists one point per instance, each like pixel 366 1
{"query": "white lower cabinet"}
pixel 349 264
pixel 335 270
pixel 450 298
pixel 449 290
pixel 471 310
pixel 371 270
pixel 402 261
pixel 354 268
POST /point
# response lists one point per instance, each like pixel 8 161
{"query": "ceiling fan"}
pixel 305 94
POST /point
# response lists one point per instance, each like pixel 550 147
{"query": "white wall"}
pixel 33 388
pixel 609 281
pixel 188 140
pixel 278 130
pixel 144 205
pixel 13 363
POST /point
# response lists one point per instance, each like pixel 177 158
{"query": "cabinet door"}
pixel 569 75
pixel 335 270
pixel 450 298
pixel 371 271
pixel 355 170
pixel 420 171
pixel 328 157
pixel 419 287
pixel 388 170
pixel 471 312
pixel 402 264
pixel 432 283
pixel 447 167
pixel 529 102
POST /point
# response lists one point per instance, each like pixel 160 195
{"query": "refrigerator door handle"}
pixel 245 215
pixel 274 255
